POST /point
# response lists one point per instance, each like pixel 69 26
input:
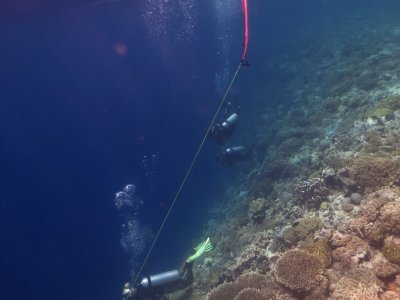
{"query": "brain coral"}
pixel 299 270
pixel 360 283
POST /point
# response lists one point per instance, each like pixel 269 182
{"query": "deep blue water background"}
pixel 76 120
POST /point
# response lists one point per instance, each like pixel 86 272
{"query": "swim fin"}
pixel 200 250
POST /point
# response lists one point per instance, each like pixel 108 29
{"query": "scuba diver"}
pixel 232 155
pixel 220 133
pixel 154 287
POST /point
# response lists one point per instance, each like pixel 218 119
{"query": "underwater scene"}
pixel 200 149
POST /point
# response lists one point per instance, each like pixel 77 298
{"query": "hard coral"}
pixel 224 291
pixel 351 250
pixel 390 217
pixel 372 172
pixel 299 270
pixel 254 280
pixel 251 294
pixel 366 224
pixel 320 249
pixel 302 230
pixel 255 285
pixel 391 249
pixel 257 210
pixel 254 257
pixel 311 192
pixel 382 267
pixel 359 283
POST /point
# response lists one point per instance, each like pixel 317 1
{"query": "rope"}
pixel 188 173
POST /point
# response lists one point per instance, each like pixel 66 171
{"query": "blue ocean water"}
pixel 97 95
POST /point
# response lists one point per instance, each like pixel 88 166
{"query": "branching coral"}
pixel 299 270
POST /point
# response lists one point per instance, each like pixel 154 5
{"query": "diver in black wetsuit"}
pixel 232 155
pixel 220 133
pixel 154 287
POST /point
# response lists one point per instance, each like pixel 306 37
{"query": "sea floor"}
pixel 317 215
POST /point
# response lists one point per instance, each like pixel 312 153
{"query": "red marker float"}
pixel 246 29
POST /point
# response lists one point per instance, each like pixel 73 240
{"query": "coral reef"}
pixel 373 172
pixel 302 229
pixel 382 267
pixel 327 163
pixel 224 291
pixel 357 284
pixel 391 249
pixel 349 250
pixel 299 270
pixel 320 249
pixel 257 210
pixel 246 286
pixel 250 294
pixel 311 192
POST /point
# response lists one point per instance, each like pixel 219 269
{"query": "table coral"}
pixel 299 270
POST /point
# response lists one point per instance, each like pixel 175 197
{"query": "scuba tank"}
pixel 235 151
pixel 161 279
pixel 230 121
